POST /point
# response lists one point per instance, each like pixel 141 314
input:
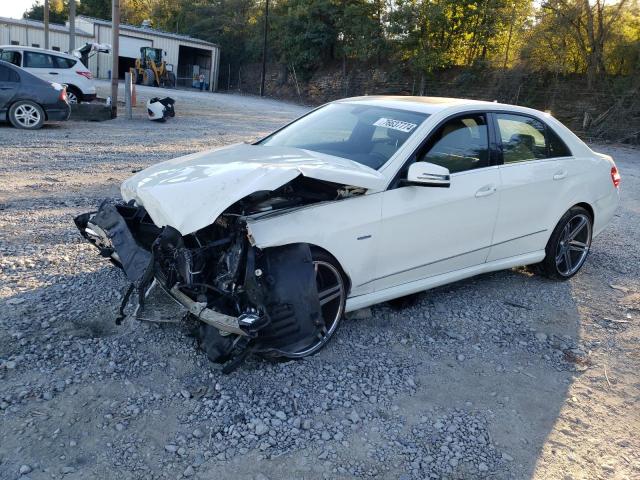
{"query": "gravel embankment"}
pixel 502 376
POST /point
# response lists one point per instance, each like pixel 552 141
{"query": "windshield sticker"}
pixel 395 124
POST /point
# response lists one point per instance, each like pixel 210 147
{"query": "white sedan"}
pixel 358 202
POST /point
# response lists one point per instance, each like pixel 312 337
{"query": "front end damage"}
pixel 246 299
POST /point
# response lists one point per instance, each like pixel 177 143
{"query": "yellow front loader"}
pixel 152 70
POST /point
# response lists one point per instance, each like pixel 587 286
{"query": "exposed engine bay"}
pixel 247 299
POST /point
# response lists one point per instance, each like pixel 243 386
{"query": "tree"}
pixel 590 27
pixel 95 8
pixel 58 11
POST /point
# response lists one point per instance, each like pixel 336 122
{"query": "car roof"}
pixel 36 49
pixel 429 105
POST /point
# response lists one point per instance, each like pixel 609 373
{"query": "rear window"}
pixel 366 134
pixel 8 75
pixel 11 57
pixel 38 60
pixel 61 62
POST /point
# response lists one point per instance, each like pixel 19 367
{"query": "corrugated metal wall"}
pixel 100 65
pixel 30 36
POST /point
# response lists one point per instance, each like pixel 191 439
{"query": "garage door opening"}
pixel 191 63
pixel 124 64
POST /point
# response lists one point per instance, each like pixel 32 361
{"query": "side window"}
pixel 557 147
pixel 61 62
pixel 38 60
pixel 460 144
pixel 11 57
pixel 525 138
pixel 8 75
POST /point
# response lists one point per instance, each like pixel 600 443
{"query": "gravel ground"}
pixel 502 376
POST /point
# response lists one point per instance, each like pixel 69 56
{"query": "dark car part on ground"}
pixel 248 299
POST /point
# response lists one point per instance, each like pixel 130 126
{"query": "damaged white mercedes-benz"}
pixel 360 201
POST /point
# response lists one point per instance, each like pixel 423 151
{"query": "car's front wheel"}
pixel 568 245
pixel 26 114
pixel 332 293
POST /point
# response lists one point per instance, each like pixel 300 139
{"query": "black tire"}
pixel 74 95
pixel 149 78
pixel 26 115
pixel 171 80
pixel 568 246
pixel 333 311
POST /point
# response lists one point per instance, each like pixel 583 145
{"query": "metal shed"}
pixel 189 56
pixel 30 33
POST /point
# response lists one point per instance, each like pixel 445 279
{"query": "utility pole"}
pixel 46 24
pixel 264 47
pixel 72 26
pixel 115 37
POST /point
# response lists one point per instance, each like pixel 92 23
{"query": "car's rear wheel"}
pixel 332 292
pixel 569 245
pixel 73 96
pixel 26 114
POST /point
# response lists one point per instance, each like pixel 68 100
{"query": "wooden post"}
pixel 115 38
pixel 46 24
pixel 72 26
pixel 264 47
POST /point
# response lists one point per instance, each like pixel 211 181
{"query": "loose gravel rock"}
pixel 501 376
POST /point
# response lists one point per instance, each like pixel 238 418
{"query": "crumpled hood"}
pixel 188 193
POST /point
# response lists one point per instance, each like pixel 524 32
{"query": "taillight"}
pixel 85 73
pixel 615 176
pixel 63 95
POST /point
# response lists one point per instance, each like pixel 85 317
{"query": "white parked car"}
pixel 54 67
pixel 358 202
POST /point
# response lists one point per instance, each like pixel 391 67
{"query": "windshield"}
pixel 366 134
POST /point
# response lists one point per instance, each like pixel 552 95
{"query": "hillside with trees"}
pixel 318 49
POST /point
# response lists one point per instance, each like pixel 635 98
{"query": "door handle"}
pixel 53 73
pixel 486 191
pixel 6 88
pixel 560 175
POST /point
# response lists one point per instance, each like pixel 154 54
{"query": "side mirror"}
pixel 427 174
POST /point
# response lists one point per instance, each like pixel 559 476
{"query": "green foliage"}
pixel 95 8
pixel 592 37
pixel 304 33
pixel 58 11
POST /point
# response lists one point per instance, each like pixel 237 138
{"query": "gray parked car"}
pixel 27 101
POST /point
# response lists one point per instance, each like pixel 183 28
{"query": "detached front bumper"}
pixel 108 229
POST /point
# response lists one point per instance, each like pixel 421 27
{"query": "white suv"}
pixel 54 67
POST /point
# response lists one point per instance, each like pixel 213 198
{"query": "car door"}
pixel 41 65
pixel 428 231
pixel 534 170
pixel 9 85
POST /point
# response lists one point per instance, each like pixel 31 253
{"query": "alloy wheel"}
pixel 27 115
pixel 72 98
pixel 331 293
pixel 573 245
